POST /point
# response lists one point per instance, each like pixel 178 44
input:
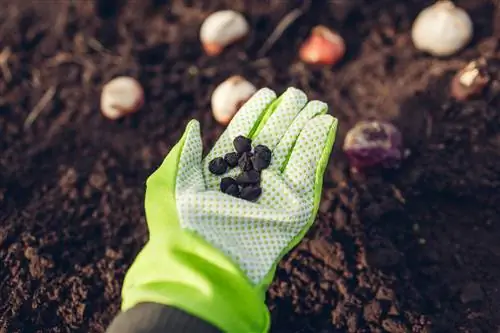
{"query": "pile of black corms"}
pixel 247 184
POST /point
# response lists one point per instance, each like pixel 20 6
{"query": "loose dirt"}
pixel 415 250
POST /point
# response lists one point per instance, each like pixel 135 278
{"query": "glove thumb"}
pixel 180 169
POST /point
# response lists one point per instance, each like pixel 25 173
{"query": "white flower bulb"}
pixel 442 29
pixel 121 96
pixel 229 96
pixel 221 29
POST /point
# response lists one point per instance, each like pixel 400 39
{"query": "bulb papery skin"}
pixel 229 96
pixel 322 47
pixel 442 29
pixel 470 81
pixel 121 96
pixel 372 144
pixel 221 29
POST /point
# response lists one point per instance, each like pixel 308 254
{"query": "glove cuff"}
pixel 186 272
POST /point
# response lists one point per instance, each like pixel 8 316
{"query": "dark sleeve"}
pixel 157 318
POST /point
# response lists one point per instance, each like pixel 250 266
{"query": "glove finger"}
pixel 244 122
pixel 310 155
pixel 282 152
pixel 278 120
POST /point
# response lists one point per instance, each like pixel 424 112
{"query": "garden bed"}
pixel 412 250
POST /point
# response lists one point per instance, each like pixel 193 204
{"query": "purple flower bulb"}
pixel 374 143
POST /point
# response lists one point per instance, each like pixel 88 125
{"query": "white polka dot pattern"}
pixel 253 234
pixel 281 152
pixel 300 171
pixel 189 174
pixel 293 100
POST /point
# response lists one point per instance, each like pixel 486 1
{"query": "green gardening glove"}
pixel 214 255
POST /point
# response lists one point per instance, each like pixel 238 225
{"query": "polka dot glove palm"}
pixel 217 244
pixel 254 235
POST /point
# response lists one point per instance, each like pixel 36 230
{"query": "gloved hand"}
pixel 211 254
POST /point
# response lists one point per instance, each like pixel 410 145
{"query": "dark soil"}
pixel 415 250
